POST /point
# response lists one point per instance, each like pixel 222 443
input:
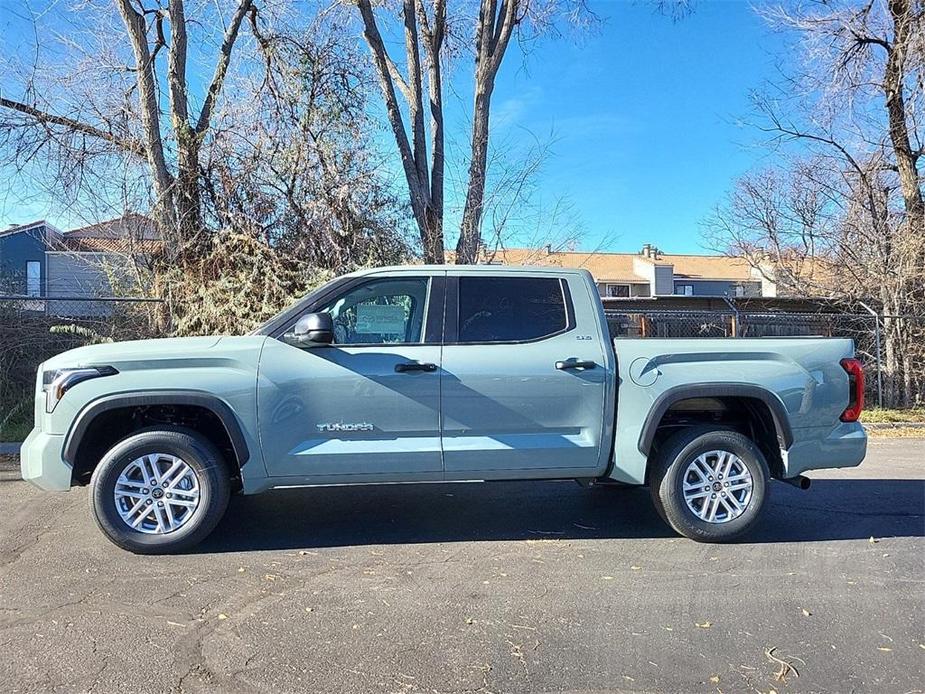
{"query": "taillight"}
pixel 855 371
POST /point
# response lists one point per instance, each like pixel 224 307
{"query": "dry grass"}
pixel 878 415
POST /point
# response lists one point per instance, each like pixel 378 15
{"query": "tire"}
pixel 726 510
pixel 204 475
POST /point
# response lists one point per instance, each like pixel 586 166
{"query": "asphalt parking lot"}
pixel 510 587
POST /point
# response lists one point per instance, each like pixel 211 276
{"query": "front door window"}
pixel 381 312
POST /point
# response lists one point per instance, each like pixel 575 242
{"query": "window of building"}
pixel 380 312
pixel 618 290
pixel 33 278
pixel 510 309
pixel 684 289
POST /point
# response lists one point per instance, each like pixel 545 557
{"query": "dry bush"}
pixel 239 283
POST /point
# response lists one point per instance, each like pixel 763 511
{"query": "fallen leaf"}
pixel 607 578
pixel 705 625
pixel 715 679
pixel 309 609
pixel 241 570
pixel 873 540
pixel 270 577
pixel 884 649
pixel 469 620
pixel 635 568
pixel 222 615
pixel 806 613
pixel 922 646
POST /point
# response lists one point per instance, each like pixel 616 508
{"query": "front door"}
pixel 509 410
pixel 365 408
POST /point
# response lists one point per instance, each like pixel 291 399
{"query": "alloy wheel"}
pixel 157 493
pixel 717 486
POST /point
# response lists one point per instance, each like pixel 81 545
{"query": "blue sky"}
pixel 643 113
pixel 646 115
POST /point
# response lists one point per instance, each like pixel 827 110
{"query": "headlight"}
pixel 57 382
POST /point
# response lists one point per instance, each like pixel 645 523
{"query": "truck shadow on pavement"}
pixel 407 514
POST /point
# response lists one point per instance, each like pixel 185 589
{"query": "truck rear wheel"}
pixel 159 491
pixel 709 485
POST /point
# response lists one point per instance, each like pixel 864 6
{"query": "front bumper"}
pixel 41 463
pixel 819 448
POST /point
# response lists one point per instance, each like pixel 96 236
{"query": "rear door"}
pixel 368 406
pixel 524 377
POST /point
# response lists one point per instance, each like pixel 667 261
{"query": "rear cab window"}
pixel 511 309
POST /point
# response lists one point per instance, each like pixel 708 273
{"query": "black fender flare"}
pixel 214 404
pixel 715 390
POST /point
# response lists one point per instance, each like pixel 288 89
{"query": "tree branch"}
pixel 221 68
pixel 176 66
pixel 45 118
pixel 377 48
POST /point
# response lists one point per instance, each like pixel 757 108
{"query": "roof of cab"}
pixel 471 270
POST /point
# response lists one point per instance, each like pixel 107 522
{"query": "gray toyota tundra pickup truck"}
pixel 439 374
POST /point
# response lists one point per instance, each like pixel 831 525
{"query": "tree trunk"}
pixel 164 215
pixel 467 248
pixel 495 26
pixel 906 159
pixel 427 215
pixel 187 197
pixel 433 237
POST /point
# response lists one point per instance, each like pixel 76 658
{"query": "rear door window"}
pixel 511 309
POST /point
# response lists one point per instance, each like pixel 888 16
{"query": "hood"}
pixel 116 353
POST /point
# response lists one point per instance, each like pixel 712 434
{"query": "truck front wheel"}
pixel 709 485
pixel 159 491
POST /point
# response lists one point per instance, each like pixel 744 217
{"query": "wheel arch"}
pixel 215 406
pixel 771 405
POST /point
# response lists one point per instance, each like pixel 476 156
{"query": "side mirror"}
pixel 312 329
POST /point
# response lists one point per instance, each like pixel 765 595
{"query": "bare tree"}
pixel 854 104
pixel 856 54
pixel 171 155
pixel 496 25
pixel 304 176
pixel 784 222
pixel 426 26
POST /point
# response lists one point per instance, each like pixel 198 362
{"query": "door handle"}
pixel 575 364
pixel 414 366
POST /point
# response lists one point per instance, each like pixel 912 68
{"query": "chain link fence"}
pixel 33 329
